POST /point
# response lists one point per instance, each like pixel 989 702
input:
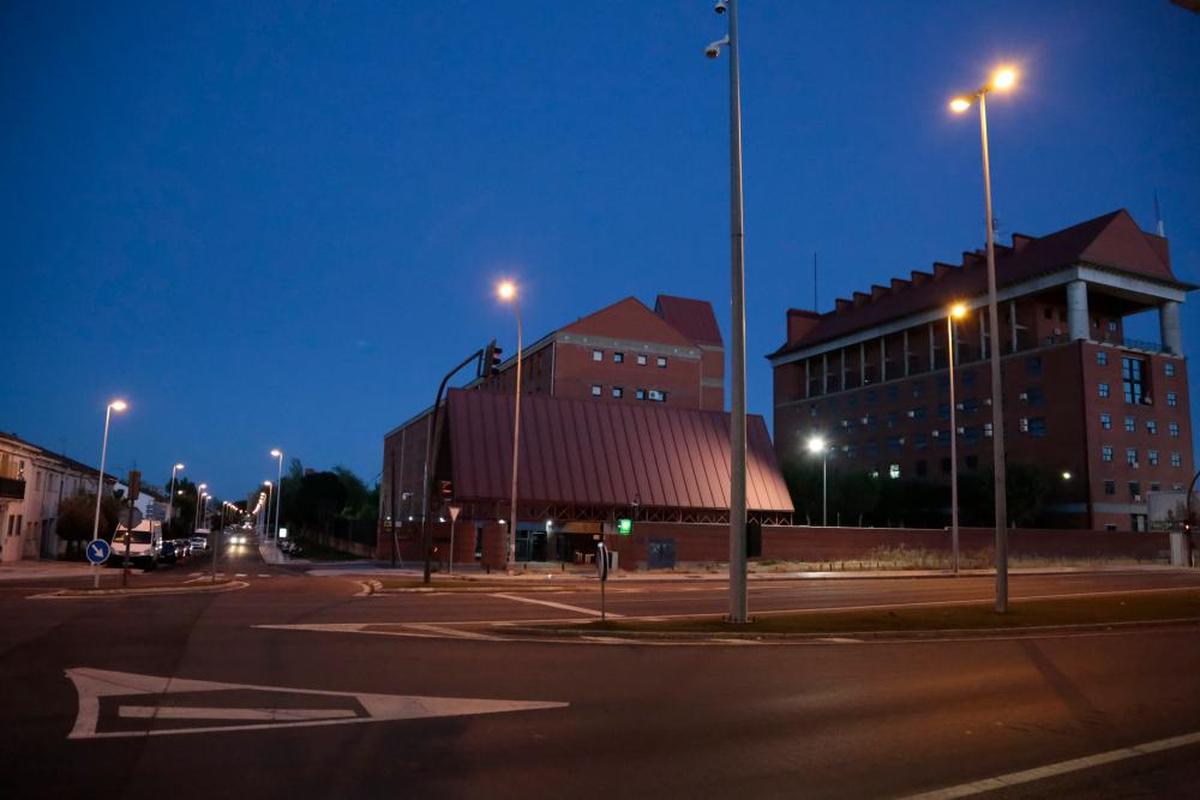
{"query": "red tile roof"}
pixel 1113 241
pixel 693 318
pixel 591 452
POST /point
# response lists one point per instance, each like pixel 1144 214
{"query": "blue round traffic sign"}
pixel 98 551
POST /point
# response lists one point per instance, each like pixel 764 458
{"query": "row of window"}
pixel 653 395
pixel 1102 360
pixel 619 358
pixel 1135 393
pixel 1131 425
pixel 1131 456
pixel 1135 488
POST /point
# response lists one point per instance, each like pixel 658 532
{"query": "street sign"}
pixel 98 551
pixel 625 526
pixel 602 561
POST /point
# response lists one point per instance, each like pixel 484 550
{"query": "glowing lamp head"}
pixel 959 104
pixel 267 484
pixel 118 405
pixel 179 466
pixel 816 444
pixel 507 290
pixel 958 310
pixel 1005 78
pixel 1066 476
pixel 276 453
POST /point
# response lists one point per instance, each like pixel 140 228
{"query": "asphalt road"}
pixel 818 720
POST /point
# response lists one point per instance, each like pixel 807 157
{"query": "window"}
pixel 1172 399
pixel 945 466
pixel 894 442
pixel 657 396
pixel 1112 326
pixel 893 419
pixel 597 355
pixel 968 377
pixel 917 413
pixel 1169 369
pixel 1151 427
pixel 1034 395
pixel 870 397
pixel 1101 358
pixel 893 471
pixel 1131 456
pixel 918 388
pixel 1135 488
pixel 922 468
pixel 640 394
pixel 1155 486
pixel 1173 430
pixel 1133 378
pixel 1033 365
pixel 970 405
pixel 1110 487
pixel 1037 426
pixel 661 361
pixel 868 421
pixel 921 441
pixel 618 358
pixel 1130 424
pixel 618 392
pixel 596 390
pixel 641 360
pixel 1103 389
pixel 1106 422
pixel 1176 460
pixel 1110 526
pixel 893 393
pixel 1152 458
pixel 1106 452
pixel 943 411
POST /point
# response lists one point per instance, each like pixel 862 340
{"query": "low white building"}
pixel 33 481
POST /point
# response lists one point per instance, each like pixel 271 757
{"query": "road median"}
pixel 188 588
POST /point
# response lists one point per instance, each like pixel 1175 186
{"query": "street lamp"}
pixel 118 406
pixel 196 514
pixel 737 423
pixel 1002 79
pixel 817 444
pixel 507 291
pixel 268 486
pixel 277 453
pixel 171 499
pixel 957 311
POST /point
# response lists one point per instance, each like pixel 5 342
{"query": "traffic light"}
pixel 492 356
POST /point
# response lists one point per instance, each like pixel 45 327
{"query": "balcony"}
pixel 12 489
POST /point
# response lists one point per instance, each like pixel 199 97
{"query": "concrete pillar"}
pixel 1077 310
pixel 1169 327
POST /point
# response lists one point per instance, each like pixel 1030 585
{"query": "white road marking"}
pixel 454 633
pixel 93 684
pixel 239 575
pixel 1059 768
pixel 577 609
pixel 270 714
pixel 265 575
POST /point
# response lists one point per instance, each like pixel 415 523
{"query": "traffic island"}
pixel 207 587
pixel 961 620
pixel 465 585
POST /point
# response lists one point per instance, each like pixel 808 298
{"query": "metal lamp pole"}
pixel 199 498
pixel 818 444
pixel 956 311
pixel 278 493
pixel 737 456
pixel 115 405
pixel 508 291
pixel 171 499
pixel 267 524
pixel 1003 79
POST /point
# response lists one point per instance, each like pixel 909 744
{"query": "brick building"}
pixel 1080 398
pixel 670 356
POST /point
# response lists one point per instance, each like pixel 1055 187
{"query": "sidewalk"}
pixel 34 570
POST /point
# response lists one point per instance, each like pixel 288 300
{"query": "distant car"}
pixel 199 543
pixel 167 554
pixel 183 548
pixel 144 548
pixel 237 538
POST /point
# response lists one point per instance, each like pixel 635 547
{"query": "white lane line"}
pixel 577 609
pixel 451 633
pixel 239 575
pixel 254 714
pixel 265 575
pixel 1059 768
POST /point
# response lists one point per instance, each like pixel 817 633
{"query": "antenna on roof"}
pixel 1160 229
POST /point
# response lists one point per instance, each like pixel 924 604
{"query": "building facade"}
pixel 1104 414
pixel 671 356
pixel 33 482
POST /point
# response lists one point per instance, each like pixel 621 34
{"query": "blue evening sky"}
pixel 278 224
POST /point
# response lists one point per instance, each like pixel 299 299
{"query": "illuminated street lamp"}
pixel 118 406
pixel 277 453
pixel 268 486
pixel 1003 79
pixel 171 499
pixel 196 514
pixel 957 311
pixel 507 291
pixel 817 444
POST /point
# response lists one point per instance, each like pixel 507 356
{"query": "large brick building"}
pixel 670 356
pixel 1080 398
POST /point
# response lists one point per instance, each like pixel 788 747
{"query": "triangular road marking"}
pixel 94 684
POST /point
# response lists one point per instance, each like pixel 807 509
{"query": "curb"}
pixel 77 594
pixel 471 589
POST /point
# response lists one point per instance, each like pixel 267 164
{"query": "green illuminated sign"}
pixel 625 527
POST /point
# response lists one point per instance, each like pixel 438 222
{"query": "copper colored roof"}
pixel 693 318
pixel 597 452
pixel 1113 241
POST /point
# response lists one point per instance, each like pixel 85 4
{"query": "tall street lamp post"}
pixel 171 500
pixel 196 513
pixel 1001 80
pixel 118 406
pixel 507 291
pixel 737 455
pixel 817 444
pixel 957 311
pixel 268 485
pixel 277 453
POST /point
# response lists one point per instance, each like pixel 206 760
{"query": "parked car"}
pixel 183 548
pixel 167 554
pixel 199 543
pixel 145 544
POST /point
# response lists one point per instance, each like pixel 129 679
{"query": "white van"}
pixel 145 544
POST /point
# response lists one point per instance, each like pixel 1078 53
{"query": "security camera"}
pixel 720 7
pixel 714 49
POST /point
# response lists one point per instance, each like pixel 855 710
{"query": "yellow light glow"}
pixel 816 444
pixel 507 290
pixel 959 104
pixel 958 310
pixel 1005 78
pixel 118 405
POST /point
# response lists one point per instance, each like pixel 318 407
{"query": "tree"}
pixel 76 516
pixel 361 502
pixel 320 498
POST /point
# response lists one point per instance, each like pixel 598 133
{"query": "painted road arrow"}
pixel 122 704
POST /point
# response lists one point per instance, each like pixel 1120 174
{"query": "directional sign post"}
pixel 602 572
pixel 454 512
pixel 98 551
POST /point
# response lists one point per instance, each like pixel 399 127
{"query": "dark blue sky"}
pixel 279 224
